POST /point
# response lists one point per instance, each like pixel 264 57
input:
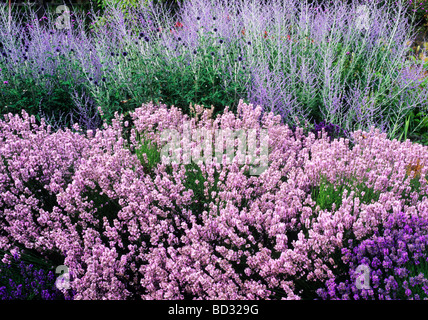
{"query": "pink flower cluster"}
pixel 127 234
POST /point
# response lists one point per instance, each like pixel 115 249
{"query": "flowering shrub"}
pixel 298 59
pixel 198 230
pixel 32 283
pixel 397 259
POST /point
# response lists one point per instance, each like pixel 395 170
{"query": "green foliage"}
pixel 25 93
pixel 18 94
pixel 183 86
pixel 124 5
pixel 114 98
pixel 195 180
pixel 415 126
pixel 42 94
pixel 327 193
pixel 419 122
pixel 211 82
pixel 147 153
pixel 101 206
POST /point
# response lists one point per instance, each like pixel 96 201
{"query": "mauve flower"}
pixel 127 230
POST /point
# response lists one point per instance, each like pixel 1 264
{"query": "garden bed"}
pixel 129 225
pixel 125 197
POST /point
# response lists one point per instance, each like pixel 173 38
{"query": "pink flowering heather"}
pixel 207 230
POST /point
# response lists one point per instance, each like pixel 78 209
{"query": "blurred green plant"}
pixel 201 84
pixel 147 153
pixel 123 5
pixel 419 122
pixel 42 94
pixel 327 193
pixel 417 119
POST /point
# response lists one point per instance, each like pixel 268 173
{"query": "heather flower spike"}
pixel 253 205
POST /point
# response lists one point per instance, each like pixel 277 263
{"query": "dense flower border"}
pixel 207 230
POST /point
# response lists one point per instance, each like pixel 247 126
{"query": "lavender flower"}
pixel 390 273
pixel 128 230
pixel 22 281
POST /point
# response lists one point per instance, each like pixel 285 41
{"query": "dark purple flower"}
pixel 389 255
